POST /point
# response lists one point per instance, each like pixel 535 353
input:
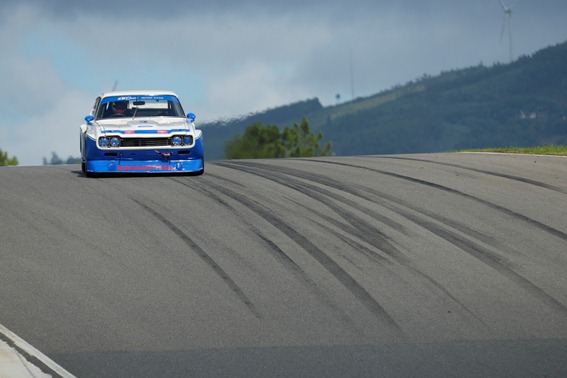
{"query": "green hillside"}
pixel 523 103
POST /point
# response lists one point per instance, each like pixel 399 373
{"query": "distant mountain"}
pixel 523 103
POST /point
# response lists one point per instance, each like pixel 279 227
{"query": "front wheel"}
pixel 199 173
pixel 84 169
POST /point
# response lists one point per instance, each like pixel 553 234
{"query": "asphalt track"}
pixel 433 265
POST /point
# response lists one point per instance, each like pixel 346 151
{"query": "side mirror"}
pixel 89 119
pixel 191 116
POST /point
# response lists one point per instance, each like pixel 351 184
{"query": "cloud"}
pixel 256 83
pixel 39 111
pixel 55 130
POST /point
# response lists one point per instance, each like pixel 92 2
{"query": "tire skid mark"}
pixel 350 230
pixel 385 200
pixel 491 260
pixel 503 175
pixel 482 254
pixel 356 226
pixel 451 223
pixel 208 260
pixel 359 229
pixel 321 257
pixel 280 255
pixel 542 226
pixel 286 261
pixel 408 264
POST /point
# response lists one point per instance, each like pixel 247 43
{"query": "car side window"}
pixel 101 110
pixel 95 106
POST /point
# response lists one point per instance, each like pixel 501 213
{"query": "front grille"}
pixel 145 142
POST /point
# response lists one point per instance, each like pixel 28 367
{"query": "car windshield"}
pixel 138 106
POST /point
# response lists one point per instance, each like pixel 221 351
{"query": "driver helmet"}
pixel 120 106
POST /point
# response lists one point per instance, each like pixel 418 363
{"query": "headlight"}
pixel 103 142
pixel 176 141
pixel 114 142
pixel 181 140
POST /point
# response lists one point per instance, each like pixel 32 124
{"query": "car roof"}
pixel 138 93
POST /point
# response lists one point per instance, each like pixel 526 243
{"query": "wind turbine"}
pixel 507 21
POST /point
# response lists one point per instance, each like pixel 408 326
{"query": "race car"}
pixel 141 132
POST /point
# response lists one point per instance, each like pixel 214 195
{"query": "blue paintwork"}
pixel 166 160
pixel 130 131
pixel 138 98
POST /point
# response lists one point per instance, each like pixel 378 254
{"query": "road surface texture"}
pixel 431 265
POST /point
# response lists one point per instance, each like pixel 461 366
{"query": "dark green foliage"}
pixel 258 141
pixel 301 142
pixel 219 132
pixel 266 141
pixel 5 160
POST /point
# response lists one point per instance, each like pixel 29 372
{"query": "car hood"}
pixel 158 123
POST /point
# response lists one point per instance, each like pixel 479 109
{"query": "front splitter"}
pixel 144 166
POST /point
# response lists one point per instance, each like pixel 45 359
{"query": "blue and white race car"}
pixel 143 132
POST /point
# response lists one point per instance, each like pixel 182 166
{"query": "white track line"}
pixel 22 346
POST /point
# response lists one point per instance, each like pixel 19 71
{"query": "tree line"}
pixel 260 141
pixel 5 160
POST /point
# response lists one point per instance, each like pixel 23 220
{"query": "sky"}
pixel 230 58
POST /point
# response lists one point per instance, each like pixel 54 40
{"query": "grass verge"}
pixel 542 150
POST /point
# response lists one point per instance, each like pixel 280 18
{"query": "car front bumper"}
pixel 166 160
